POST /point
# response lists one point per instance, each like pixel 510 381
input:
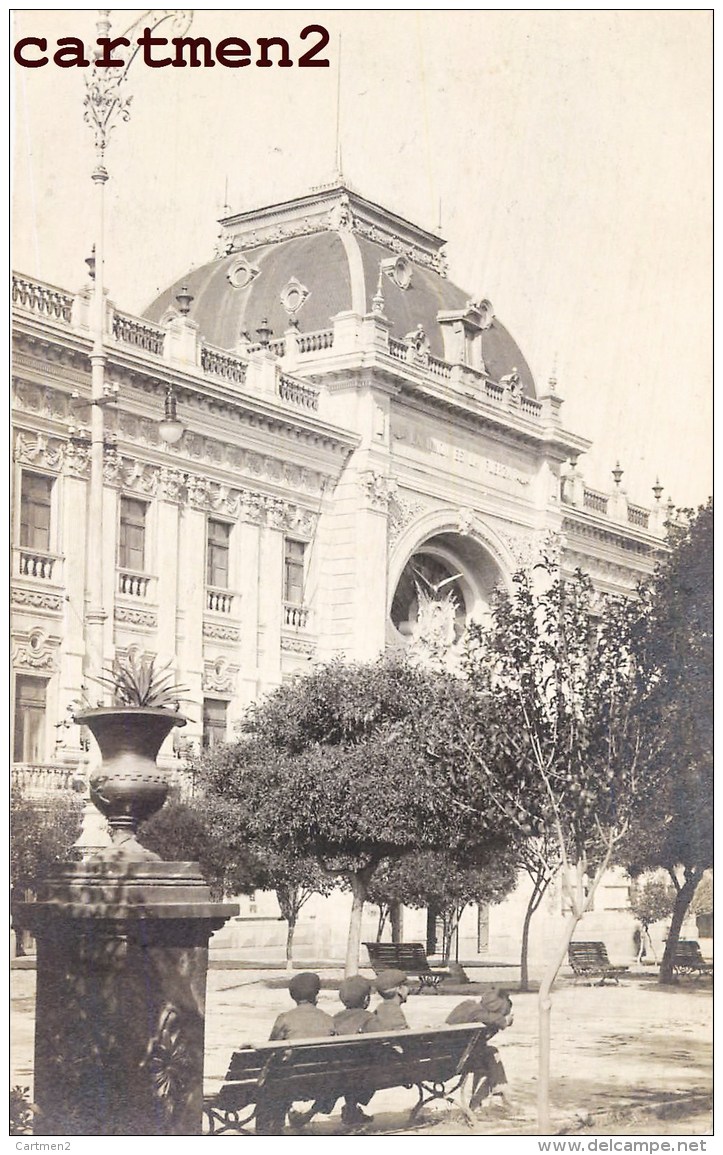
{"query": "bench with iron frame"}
pixel 409 957
pixel 688 960
pixel 263 1081
pixel 589 960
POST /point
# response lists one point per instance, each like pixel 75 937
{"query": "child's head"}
pixel 304 988
pixel 497 1003
pixel 393 984
pixel 355 992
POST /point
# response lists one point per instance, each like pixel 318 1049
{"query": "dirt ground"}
pixel 636 1058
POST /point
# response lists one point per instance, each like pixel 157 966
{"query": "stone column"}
pixel 120 1004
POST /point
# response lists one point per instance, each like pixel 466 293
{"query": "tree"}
pixel 341 765
pixel 540 860
pixel 209 833
pixel 676 832
pixel 651 899
pixel 447 882
pixel 563 738
pixel 42 833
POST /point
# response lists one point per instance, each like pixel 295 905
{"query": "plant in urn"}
pixel 129 787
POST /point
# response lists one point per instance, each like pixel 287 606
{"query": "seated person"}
pixel 494 1009
pixel 388 1014
pixel 304 1021
pixel 354 993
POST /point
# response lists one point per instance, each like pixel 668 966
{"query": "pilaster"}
pixel 270 607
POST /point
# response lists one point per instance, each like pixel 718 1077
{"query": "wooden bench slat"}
pixel 590 960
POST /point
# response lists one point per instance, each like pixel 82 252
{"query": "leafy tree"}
pixel 676 831
pixel 42 833
pixel 343 765
pixel 208 832
pixel 562 740
pixel 651 898
pixel 447 882
pixel 539 858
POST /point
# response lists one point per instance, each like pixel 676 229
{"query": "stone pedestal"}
pixel 121 987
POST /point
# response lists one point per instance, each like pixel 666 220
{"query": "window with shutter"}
pixel 35 504
pixel 132 537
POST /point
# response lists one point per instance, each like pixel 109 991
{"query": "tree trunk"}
pixel 682 902
pixel 290 928
pixel 359 883
pixel 383 910
pixel 544 1002
pixel 395 914
pixel 535 899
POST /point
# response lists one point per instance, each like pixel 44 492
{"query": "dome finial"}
pixel 378 298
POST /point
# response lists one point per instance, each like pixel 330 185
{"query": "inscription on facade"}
pixel 417 437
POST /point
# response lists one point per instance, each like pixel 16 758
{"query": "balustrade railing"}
pixel 598 502
pixel 638 516
pixel 315 342
pixel 296 616
pixel 297 393
pixel 36 563
pixel 531 405
pixel 398 349
pixel 42 298
pixel 132 584
pixel 39 780
pixel 221 364
pixel 129 331
pixel 494 391
pixel 219 600
pixel 439 368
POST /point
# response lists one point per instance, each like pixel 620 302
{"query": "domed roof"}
pixel 326 253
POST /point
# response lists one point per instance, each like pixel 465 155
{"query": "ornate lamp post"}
pixel 106 102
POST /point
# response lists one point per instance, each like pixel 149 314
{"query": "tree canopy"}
pixel 347 764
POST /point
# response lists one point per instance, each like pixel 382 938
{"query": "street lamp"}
pixel 106 102
pixel 170 429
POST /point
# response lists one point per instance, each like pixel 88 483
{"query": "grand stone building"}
pixel 352 420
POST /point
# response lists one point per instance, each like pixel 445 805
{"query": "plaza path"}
pixel 619 1053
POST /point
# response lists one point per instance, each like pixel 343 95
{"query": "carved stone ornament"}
pixel 341 218
pixel 293 296
pixel 219 676
pixel 402 512
pixel 128 616
pixel 399 270
pixel 486 312
pixel 220 633
pixel 378 488
pixel 171 483
pixel 77 459
pixel 35 650
pixel 242 273
pixel 46 452
pixel 36 599
pixel 465 521
pixel 297 646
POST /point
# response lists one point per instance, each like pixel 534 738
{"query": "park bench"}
pixel 263 1080
pixel 409 957
pixel 688 960
pixel 590 960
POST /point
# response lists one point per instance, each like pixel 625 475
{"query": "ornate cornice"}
pixel 616 535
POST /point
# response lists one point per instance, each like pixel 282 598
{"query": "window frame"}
pixel 211 546
pixel 298 566
pixel 145 505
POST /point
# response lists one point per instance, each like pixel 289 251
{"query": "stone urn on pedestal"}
pixel 123 946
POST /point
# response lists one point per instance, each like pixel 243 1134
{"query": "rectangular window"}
pixel 214 722
pixel 29 741
pixel 217 544
pixel 294 572
pixel 35 494
pixel 132 538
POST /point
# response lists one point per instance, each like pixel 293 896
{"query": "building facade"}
pixel 353 423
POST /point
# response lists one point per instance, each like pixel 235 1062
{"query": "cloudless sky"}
pixel 570 151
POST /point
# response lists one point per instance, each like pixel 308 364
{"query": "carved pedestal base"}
pixel 121 984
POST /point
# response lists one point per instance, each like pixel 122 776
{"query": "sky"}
pixel 570 153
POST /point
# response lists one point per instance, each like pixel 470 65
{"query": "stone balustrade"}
pixel 220 363
pixel 129 331
pixel 315 342
pixel 40 780
pixel 296 616
pixel 614 507
pixel 41 298
pixel 597 502
pixel 297 393
pixel 638 516
pixel 37 563
pixel 219 600
pixel 132 584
